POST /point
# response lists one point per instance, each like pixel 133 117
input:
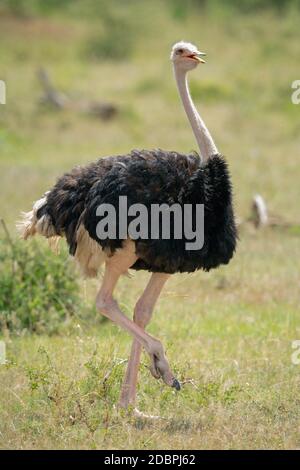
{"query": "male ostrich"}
pixel 148 177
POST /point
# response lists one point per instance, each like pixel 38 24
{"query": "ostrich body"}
pixel 149 177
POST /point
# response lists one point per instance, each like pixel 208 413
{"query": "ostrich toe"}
pixel 160 368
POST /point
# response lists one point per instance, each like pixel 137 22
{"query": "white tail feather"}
pixel 30 224
pixel 89 253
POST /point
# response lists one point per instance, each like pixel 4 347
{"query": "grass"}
pixel 228 334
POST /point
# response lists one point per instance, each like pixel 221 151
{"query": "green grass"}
pixel 228 333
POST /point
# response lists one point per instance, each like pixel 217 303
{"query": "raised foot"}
pixel 160 368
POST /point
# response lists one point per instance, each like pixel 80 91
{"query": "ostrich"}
pixel 151 177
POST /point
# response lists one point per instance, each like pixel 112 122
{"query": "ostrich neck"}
pixel 204 139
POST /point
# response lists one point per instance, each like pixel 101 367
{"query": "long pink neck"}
pixel 205 142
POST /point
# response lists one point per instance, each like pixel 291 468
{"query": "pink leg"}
pixel 142 315
pixel 115 266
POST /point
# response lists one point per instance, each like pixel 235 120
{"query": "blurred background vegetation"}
pixel 235 325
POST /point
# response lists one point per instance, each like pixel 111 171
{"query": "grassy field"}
pixel 228 334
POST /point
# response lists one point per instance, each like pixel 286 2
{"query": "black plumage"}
pixel 149 177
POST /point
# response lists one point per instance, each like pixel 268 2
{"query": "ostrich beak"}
pixel 197 56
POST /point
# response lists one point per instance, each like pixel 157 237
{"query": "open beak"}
pixel 197 56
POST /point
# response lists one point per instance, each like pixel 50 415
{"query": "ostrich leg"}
pixel 115 266
pixel 142 315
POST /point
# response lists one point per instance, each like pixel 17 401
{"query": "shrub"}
pixel 38 290
pixel 114 43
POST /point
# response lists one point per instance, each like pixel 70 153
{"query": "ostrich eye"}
pixel 179 51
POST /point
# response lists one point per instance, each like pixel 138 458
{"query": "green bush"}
pixel 29 8
pixel 98 8
pixel 38 290
pixel 117 39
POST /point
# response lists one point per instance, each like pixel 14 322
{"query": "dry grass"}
pixel 228 333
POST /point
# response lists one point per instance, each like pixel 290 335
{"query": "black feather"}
pixel 150 177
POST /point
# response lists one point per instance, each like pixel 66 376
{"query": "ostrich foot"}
pixel 131 411
pixel 160 368
pixel 140 415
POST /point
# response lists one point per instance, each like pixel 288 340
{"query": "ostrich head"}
pixel 186 56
